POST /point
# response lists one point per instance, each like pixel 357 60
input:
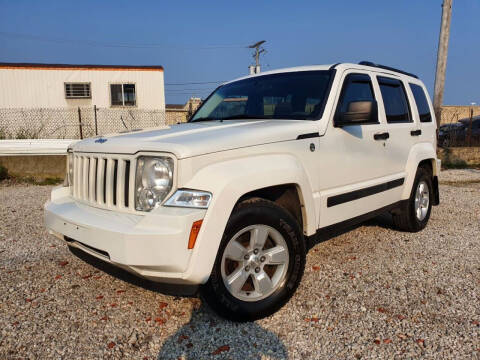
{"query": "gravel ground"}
pixel 371 292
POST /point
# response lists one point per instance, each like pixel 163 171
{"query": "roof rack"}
pixel 369 63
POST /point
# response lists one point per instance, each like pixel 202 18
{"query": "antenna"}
pixel 256 55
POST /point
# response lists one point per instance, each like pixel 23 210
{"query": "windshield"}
pixel 291 95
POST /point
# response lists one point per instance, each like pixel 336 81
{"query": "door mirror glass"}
pixel 357 112
pixel 357 103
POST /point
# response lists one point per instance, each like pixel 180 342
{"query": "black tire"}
pixel 405 218
pixel 250 212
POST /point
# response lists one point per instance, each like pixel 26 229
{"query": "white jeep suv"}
pixel 230 200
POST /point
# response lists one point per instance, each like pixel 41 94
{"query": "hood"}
pixel 198 138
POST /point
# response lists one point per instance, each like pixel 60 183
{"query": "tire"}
pixel 251 220
pixel 409 218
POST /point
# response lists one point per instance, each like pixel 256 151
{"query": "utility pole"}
pixel 256 55
pixel 442 58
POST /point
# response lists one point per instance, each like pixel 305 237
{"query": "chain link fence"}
pixel 459 127
pixel 81 122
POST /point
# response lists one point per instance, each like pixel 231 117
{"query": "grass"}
pixel 33 181
pixel 458 164
pixel 3 173
pixel 12 180
pixel 449 161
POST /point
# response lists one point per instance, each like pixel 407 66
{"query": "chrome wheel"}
pixel 254 263
pixel 422 200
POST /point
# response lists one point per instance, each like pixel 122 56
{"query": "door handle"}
pixel 381 136
pixel 416 132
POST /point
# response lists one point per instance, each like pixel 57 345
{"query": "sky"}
pixel 200 44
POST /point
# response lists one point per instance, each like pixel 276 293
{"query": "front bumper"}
pixel 153 246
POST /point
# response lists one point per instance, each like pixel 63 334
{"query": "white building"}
pixel 77 101
pixel 65 86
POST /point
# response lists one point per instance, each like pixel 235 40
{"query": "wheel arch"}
pixel 280 177
pixel 288 196
pixel 421 155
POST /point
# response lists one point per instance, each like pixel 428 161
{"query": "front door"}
pixel 353 156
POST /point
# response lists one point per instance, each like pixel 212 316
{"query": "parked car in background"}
pixel 450 134
pixel 231 200
pixel 474 130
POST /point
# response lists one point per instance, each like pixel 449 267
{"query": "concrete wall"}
pixel 54 166
pixel 38 166
pixel 31 87
pixel 468 155
pixel 174 116
pixel 453 113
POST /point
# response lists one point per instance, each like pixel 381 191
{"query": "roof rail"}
pixel 369 63
pixel 334 66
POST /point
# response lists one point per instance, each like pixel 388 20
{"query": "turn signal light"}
pixel 194 233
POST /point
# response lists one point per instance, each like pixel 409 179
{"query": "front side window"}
pixel 123 94
pixel 293 95
pixel 422 103
pixel 356 97
pixel 395 100
pixel 356 87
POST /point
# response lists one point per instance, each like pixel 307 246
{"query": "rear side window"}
pixel 422 103
pixel 395 100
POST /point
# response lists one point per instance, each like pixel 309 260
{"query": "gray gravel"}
pixel 369 293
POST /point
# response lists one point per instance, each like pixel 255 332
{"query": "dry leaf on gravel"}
pixel 221 349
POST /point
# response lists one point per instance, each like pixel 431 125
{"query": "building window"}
pixel 123 94
pixel 77 90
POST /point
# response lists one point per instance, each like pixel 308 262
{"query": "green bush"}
pixel 455 164
pixel 50 181
pixel 25 133
pixel 3 173
pixel 3 134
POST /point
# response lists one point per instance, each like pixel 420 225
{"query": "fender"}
pixel 419 152
pixel 228 181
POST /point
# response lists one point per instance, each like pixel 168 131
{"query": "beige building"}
pixel 78 101
pixel 176 113
pixel 66 86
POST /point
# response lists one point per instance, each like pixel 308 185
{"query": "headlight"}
pixel 190 199
pixel 69 175
pixel 153 181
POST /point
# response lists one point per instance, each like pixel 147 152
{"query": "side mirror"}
pixel 358 112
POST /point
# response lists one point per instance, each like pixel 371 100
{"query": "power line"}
pixel 188 92
pixel 116 45
pixel 180 90
pixel 196 83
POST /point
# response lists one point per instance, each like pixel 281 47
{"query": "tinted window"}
pixel 422 103
pixel 356 87
pixel 293 95
pixel 394 100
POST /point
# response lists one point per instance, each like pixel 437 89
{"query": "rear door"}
pixel 395 110
pixel 422 111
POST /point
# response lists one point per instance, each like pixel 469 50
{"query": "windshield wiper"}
pixel 207 118
pixel 234 117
